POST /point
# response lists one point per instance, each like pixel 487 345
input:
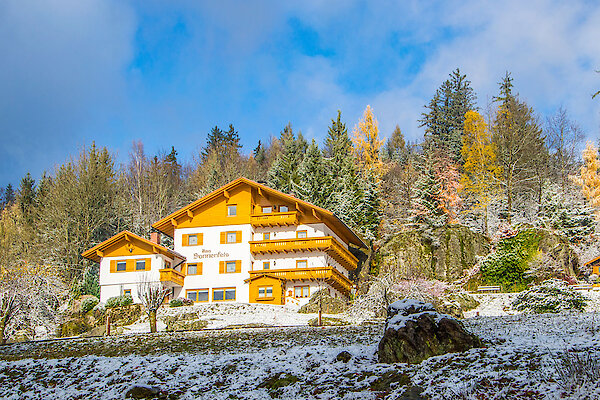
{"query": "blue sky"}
pixel 73 71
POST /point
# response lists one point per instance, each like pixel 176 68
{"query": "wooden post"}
pixel 107 324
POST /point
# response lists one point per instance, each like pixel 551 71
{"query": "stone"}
pixel 329 304
pixel 415 332
pixel 184 323
pixel 144 392
pixel 343 356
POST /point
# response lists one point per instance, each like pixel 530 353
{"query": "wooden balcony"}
pixel 275 219
pixel 329 275
pixel 171 278
pixel 328 244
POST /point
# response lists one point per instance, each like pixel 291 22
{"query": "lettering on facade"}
pixel 207 253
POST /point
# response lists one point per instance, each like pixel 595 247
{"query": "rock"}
pixel 144 392
pixel 444 254
pixel 343 356
pixel 330 305
pixel 184 322
pixel 412 338
pixel 385 381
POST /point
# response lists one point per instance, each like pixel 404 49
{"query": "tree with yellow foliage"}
pixel 367 145
pixel 589 178
pixel 480 168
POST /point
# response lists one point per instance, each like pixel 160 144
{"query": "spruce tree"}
pixel 283 174
pixel 27 198
pixel 9 195
pixel 314 179
pixel 395 148
pixel 445 117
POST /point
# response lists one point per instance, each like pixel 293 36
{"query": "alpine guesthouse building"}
pixel 244 242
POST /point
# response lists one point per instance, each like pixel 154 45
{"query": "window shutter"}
pixel 238 266
pixel 238 237
pixel 201 238
pixel 148 264
pixel 184 240
pixel 223 237
pixel 113 265
pixel 221 267
pixel 130 265
pixel 199 268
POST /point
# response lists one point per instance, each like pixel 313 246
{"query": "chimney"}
pixel 155 237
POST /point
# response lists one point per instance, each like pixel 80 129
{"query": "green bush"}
pixel 507 265
pixel 119 301
pixel 550 296
pixel 88 304
pixel 182 301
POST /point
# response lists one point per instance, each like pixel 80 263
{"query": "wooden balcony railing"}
pixel 329 275
pixel 170 277
pixel 327 244
pixel 275 219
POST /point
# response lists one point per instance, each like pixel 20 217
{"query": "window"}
pixel 140 265
pixel 283 209
pixel 192 269
pixel 301 234
pixel 266 236
pixel 127 292
pixel 121 266
pixel 301 264
pixel 266 265
pixel 267 210
pixel 224 294
pixel 301 291
pixel 197 295
pixel 232 210
pixel 265 291
pixel 231 237
pixel 192 239
pixel 230 266
pixel 167 264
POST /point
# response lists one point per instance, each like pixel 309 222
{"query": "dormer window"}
pixel 267 210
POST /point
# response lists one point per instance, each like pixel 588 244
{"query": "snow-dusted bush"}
pixel 182 301
pixel 550 296
pixel 119 301
pixel 88 303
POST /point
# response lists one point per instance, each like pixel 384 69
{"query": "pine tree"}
pixel 27 198
pixel 283 174
pixel 314 179
pixel 9 195
pixel 520 147
pixel 444 119
pixel 395 148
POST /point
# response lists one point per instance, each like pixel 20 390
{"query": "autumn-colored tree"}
pixel 589 177
pixel 480 168
pixel 367 144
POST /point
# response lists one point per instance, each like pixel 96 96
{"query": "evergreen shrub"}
pixel 88 304
pixel 506 265
pixel 119 301
pixel 182 301
pixel 550 296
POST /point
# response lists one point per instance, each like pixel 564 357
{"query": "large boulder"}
pixel 184 322
pixel 329 304
pixel 444 253
pixel 415 331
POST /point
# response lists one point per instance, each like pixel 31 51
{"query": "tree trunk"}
pixel 2 328
pixel 107 324
pixel 152 319
pixel 509 202
pixel 485 221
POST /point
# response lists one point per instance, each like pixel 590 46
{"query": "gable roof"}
pixel 95 253
pixel 592 261
pixel 165 225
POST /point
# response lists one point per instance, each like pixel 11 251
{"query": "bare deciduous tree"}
pixel 152 295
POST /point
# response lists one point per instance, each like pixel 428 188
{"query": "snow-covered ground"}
pixel 522 361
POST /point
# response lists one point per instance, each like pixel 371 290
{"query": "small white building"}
pixel 244 242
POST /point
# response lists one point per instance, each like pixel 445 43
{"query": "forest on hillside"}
pixel 485 169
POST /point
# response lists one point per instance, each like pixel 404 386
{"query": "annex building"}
pixel 244 242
